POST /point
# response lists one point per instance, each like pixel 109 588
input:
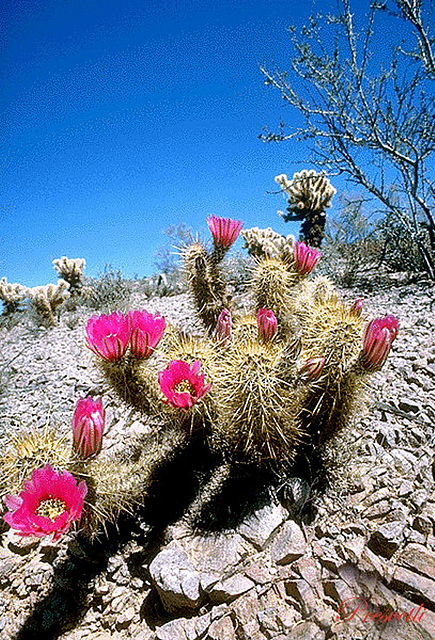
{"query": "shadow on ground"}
pixel 174 489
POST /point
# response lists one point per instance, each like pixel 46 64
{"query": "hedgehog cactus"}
pixel 255 388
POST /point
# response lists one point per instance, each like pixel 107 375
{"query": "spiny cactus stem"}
pixel 218 254
pixel 116 487
pixel 189 422
pixel 208 493
pixel 313 228
pixel 134 382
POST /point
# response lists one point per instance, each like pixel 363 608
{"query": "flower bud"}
pixel 305 258
pixel 267 324
pixel 378 338
pixel 357 307
pixel 224 328
pixel 311 369
pixel 88 427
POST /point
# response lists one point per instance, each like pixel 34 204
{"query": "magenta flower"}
pixel 108 336
pixel 378 338
pixel 224 328
pixel 183 385
pixel 357 307
pixel 49 503
pixel 267 323
pixel 88 427
pixel 146 332
pixel 224 230
pixel 305 258
pixel 311 369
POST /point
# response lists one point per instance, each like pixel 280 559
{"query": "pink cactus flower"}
pixel 305 258
pixel 267 324
pixel 224 328
pixel 224 230
pixel 49 503
pixel 357 307
pixel 183 385
pixel 88 427
pixel 108 336
pixel 146 332
pixel 378 338
pixel 312 369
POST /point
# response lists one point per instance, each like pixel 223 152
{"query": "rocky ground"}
pixel 356 562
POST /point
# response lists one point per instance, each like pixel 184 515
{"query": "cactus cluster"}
pixel 309 194
pixel 11 294
pixel 266 243
pixel 253 389
pixel 45 300
pixel 71 271
pixel 307 190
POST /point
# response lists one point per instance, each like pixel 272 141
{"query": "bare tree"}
pixel 372 122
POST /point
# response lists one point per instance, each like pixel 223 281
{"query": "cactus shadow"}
pixel 295 485
pixel 175 487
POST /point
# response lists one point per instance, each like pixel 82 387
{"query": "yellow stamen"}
pixel 51 508
pixel 184 386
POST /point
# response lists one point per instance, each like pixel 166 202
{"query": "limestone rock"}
pixel 289 545
pixel 230 588
pixel 259 527
pixel 417 558
pixel 421 587
pixel 306 630
pixel 176 579
pixel 387 538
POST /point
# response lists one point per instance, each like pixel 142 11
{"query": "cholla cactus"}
pixel 253 390
pixel 71 270
pixel 45 300
pixel 309 194
pixel 11 295
pixel 266 243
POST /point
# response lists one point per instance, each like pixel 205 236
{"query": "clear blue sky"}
pixel 123 117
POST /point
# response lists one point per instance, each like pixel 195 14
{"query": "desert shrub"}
pixel 170 283
pixel 399 249
pixel 169 279
pixel 11 319
pixel 167 257
pixel 145 286
pixel 353 245
pixel 109 292
pixel 161 284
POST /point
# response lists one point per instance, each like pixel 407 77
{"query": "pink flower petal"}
pixel 46 484
pixel 177 372
pixel 225 231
